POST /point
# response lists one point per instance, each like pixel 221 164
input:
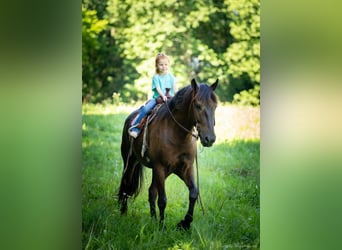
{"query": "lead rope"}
pixel 198 185
pixel 197 172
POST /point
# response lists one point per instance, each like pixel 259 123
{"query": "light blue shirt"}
pixel 163 82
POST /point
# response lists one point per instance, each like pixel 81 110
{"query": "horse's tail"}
pixel 132 176
pixel 131 181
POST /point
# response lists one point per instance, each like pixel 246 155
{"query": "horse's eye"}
pixel 197 106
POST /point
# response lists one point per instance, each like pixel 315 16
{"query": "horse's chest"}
pixel 166 147
pixel 176 156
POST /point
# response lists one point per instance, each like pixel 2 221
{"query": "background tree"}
pixel 101 62
pixel 205 39
pixel 243 54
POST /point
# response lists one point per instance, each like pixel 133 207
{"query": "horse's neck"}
pixel 185 116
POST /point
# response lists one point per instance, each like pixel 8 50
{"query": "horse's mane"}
pixel 185 95
pixel 180 98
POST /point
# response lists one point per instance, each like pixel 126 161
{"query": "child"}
pixel 163 86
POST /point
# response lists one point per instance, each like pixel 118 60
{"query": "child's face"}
pixel 163 65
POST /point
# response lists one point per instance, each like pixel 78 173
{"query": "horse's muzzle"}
pixel 207 140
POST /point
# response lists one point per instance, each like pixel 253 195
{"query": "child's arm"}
pixel 161 94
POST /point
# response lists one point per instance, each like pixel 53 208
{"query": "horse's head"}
pixel 204 105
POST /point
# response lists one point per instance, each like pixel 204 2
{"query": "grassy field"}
pixel 229 185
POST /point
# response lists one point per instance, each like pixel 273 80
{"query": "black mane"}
pixel 180 98
pixel 184 96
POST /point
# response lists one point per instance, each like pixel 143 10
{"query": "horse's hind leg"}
pixel 158 186
pixel 152 196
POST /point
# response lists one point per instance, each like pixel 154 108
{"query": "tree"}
pixel 100 60
pixel 91 28
pixel 243 54
pixel 205 39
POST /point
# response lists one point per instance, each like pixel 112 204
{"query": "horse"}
pixel 172 147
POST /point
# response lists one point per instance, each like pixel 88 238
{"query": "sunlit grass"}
pixel 229 186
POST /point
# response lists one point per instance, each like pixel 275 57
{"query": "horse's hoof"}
pixel 123 209
pixel 183 225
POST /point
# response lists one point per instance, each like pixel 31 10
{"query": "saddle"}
pixel 167 94
pixel 159 101
pixel 143 125
pixel 148 119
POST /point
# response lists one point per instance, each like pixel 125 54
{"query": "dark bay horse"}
pixel 171 147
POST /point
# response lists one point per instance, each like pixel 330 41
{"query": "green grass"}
pixel 229 186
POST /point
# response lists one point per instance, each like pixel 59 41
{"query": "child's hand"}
pixel 164 98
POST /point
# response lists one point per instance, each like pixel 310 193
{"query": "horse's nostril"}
pixel 209 140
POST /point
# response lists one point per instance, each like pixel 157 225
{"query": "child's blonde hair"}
pixel 161 56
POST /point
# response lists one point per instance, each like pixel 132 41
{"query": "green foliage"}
pixel 205 39
pixel 101 61
pixel 243 55
pixel 92 27
pixel 250 97
pixel 98 5
pixel 229 170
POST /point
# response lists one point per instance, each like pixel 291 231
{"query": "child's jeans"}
pixel 146 109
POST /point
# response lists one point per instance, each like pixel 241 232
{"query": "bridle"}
pixel 180 125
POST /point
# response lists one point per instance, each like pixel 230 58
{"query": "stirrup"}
pixel 133 133
pixel 134 126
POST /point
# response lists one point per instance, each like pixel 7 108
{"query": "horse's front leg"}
pixel 193 194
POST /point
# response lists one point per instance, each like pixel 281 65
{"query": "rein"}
pixel 197 172
pixel 198 185
pixel 180 125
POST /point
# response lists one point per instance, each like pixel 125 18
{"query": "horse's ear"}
pixel 194 85
pixel 214 85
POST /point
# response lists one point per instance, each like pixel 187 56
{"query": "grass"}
pixel 229 186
